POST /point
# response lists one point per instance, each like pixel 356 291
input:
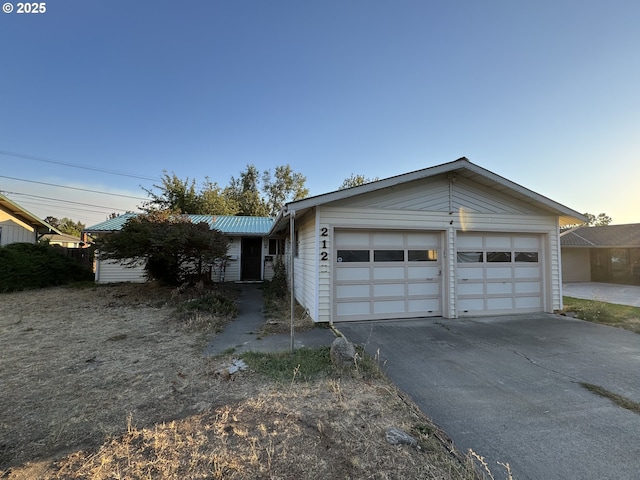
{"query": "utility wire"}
pixel 64 201
pixel 77 165
pixel 74 188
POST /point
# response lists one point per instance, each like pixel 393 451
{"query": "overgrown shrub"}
pixel 25 266
pixel 278 283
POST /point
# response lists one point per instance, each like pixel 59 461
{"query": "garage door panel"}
pixel 528 302
pixel 470 273
pixel 426 305
pixel 505 303
pixel 500 272
pixel 351 238
pixel 389 307
pixel 528 287
pixel 353 308
pixel 466 288
pixel 388 273
pixel 389 290
pixel 353 291
pixel 527 272
pixel 470 241
pixel 499 287
pixel 422 240
pixel 470 304
pixel 498 242
pixel 353 274
pixel 526 242
pixel 388 239
pixel 423 272
pixel 423 288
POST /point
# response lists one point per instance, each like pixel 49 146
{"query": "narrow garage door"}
pixel 499 274
pixel 386 274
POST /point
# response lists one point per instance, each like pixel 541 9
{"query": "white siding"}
pixel 432 195
pixel 305 263
pixel 15 231
pixel 576 265
pixel 112 271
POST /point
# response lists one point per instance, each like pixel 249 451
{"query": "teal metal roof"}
pixel 241 225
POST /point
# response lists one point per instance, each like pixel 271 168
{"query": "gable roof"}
pixel 462 167
pixel 227 224
pixel 611 236
pixel 15 210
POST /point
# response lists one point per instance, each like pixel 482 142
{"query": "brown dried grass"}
pixel 106 382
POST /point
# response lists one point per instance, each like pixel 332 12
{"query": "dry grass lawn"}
pixel 110 383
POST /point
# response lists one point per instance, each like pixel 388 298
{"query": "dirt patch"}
pixel 107 382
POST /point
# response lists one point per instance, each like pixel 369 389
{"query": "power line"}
pixel 74 188
pixel 77 165
pixel 65 201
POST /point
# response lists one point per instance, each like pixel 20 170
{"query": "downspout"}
pixel 292 232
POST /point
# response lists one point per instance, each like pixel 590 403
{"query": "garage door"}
pixel 499 274
pixel 383 274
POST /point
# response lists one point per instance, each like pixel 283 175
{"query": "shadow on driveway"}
pixel 509 388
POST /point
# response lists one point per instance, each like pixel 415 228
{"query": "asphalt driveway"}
pixel 509 388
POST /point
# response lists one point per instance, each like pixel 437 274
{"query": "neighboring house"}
pixel 451 240
pixel 64 240
pixel 608 253
pixel 17 225
pixel 248 255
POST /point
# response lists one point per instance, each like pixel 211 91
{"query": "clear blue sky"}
pixel 545 93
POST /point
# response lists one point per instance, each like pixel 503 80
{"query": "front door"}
pixel 251 267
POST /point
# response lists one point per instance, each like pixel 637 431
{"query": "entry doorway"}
pixel 251 255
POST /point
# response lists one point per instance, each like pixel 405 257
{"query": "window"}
pixel 422 255
pixel 527 257
pixel 498 257
pixel 388 256
pixel 276 246
pixel 470 257
pixel 353 256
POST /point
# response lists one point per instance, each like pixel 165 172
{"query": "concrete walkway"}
pixel 242 334
pixel 605 292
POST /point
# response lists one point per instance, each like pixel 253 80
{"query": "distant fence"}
pixel 82 256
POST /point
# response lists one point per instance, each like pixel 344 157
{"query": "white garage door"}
pixel 386 274
pixel 499 273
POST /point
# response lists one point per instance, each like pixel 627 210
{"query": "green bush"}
pixel 25 266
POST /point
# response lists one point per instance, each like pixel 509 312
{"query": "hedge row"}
pixel 25 266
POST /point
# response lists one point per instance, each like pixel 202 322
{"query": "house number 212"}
pixel 324 255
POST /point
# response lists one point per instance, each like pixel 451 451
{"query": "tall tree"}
pixel 245 191
pixel 285 186
pixel 175 195
pixel 356 180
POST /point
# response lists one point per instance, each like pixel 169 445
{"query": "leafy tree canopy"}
pixel 356 180
pixel 66 225
pixel 249 194
pixel 171 247
pixel 598 221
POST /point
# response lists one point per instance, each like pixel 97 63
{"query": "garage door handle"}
pixel 430 278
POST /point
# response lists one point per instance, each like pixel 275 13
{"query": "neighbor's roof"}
pixel 462 167
pixel 612 236
pixel 27 217
pixel 227 224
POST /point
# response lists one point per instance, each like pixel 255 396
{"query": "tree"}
pixel 356 180
pixel 245 190
pixel 601 220
pixel 176 195
pixel 66 225
pixel 171 246
pixel 285 186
